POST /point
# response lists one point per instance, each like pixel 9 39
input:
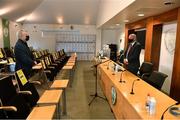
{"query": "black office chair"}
pixel 9 52
pixel 145 70
pixel 49 72
pixel 12 104
pixel 156 79
pixel 50 66
pixel 25 85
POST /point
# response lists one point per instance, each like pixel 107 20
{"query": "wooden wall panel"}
pixel 126 36
pixel 148 42
pixel 175 83
pixel 137 25
pixel 166 17
pixel 156 46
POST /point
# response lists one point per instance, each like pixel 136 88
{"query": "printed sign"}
pixel 22 77
pixel 1 54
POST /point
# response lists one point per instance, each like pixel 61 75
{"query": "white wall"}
pixel 110 8
pixel 120 35
pixel 167 53
pixel 113 36
pixel 1 34
pixel 36 39
pixel 48 41
pixel 108 37
pixel 98 40
pixel 13 29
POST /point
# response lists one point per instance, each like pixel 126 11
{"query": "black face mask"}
pixel 27 38
pixel 130 40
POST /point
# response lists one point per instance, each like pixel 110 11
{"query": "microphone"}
pixel 108 65
pixel 171 106
pixel 100 63
pixel 132 89
pixel 122 81
pixel 114 69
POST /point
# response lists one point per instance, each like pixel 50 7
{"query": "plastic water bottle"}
pixel 152 106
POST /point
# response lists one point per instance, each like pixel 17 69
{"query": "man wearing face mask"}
pixel 131 55
pixel 23 55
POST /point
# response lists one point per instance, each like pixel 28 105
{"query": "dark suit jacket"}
pixel 24 57
pixel 133 57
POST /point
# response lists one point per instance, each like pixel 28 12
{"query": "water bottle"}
pixel 152 106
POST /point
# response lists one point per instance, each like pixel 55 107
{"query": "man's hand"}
pixel 126 61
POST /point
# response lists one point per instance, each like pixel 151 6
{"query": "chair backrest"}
pixel 9 97
pixel 2 55
pixel 157 79
pixel 35 55
pixel 8 52
pixel 10 60
pixel 146 67
pixel 25 85
pixel 7 89
pixel 43 64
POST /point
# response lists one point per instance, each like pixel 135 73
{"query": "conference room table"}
pixel 43 112
pixel 131 106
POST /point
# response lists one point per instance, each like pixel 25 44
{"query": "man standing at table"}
pixel 23 55
pixel 132 53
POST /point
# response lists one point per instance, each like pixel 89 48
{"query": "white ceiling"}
pixel 49 11
pixel 77 11
pixel 69 11
pixel 15 9
pixel 148 7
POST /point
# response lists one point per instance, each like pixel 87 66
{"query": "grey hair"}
pixel 134 36
pixel 19 33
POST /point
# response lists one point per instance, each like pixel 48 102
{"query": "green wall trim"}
pixel 5 28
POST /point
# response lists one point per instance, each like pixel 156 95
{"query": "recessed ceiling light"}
pixel 168 2
pixel 5 10
pixel 126 21
pixel 117 24
pixel 87 20
pixel 60 20
pixel 140 14
pixel 21 19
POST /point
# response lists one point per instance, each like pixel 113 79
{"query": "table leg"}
pixel 64 102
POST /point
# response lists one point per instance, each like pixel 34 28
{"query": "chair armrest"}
pixel 8 108
pixel 51 67
pixel 35 82
pixel 54 64
pixel 25 92
pixel 58 62
pixel 145 76
pixel 47 71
